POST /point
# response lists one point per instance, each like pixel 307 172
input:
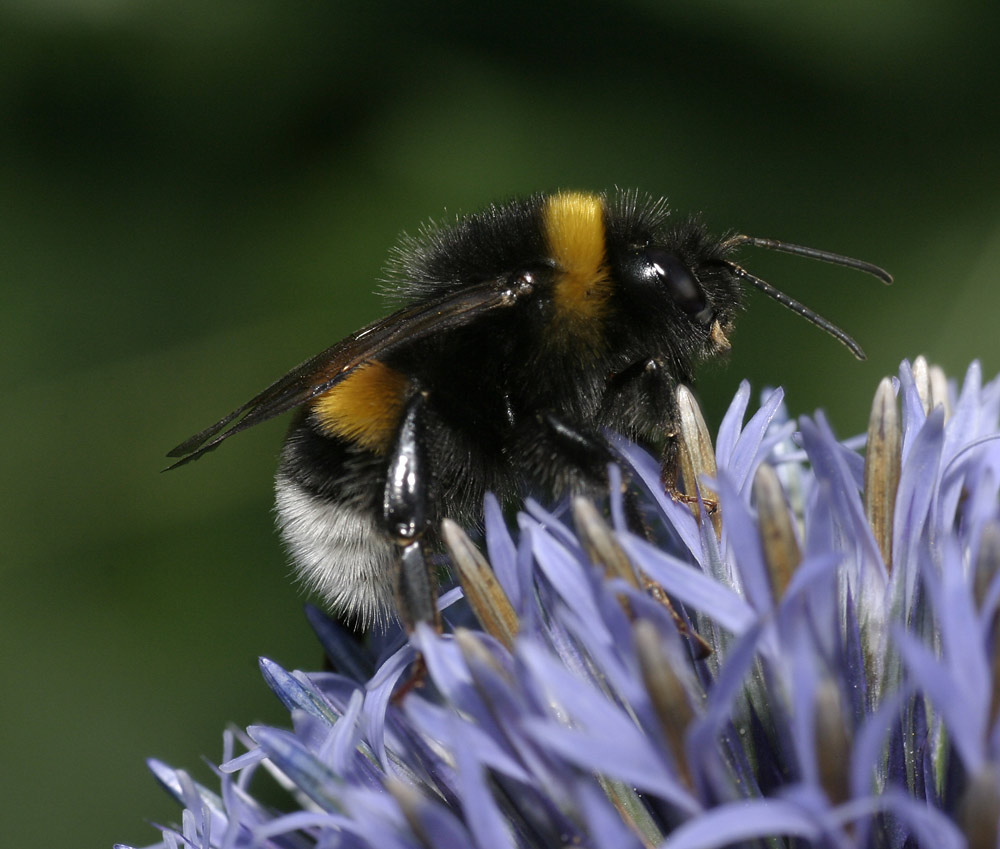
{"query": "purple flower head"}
pixel 799 648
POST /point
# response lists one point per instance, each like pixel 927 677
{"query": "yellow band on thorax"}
pixel 574 228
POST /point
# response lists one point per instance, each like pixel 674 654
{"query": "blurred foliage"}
pixel 196 196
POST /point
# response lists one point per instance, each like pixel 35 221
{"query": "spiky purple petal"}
pixel 563 739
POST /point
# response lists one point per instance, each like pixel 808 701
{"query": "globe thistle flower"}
pixel 799 650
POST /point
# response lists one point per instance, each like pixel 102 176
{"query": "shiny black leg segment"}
pixel 591 455
pixel 404 501
pixel 416 591
pixel 587 451
pixel 641 371
pixel 405 511
pixel 643 394
pixel 670 463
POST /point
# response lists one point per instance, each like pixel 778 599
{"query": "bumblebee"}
pixel 527 330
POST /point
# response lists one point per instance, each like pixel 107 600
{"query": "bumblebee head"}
pixel 679 279
pixel 680 275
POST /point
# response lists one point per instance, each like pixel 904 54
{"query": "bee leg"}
pixel 645 394
pixel 416 592
pixel 591 454
pixel 688 456
pixel 670 462
pixel 405 502
pixel 405 512
pixel 674 486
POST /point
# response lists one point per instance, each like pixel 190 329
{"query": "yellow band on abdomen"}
pixel 364 408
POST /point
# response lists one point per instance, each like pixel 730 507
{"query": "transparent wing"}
pixel 324 371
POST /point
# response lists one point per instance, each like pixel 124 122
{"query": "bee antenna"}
pixel 810 253
pixel 796 307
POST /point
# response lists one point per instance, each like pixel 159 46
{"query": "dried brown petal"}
pixel 666 691
pixel 833 742
pixel 603 549
pixel 939 390
pixel 987 561
pixel 410 800
pixel 633 811
pixel 485 595
pixel 601 546
pixel 777 533
pixel 978 812
pixel 882 464
pixel 696 456
pixel 473 651
pixel 987 564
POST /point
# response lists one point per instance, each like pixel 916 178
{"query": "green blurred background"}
pixel 196 195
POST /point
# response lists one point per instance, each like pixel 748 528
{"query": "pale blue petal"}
pixel 630 760
pixel 298 764
pixel 602 737
pixel 501 550
pixel 604 823
pixel 438 723
pixel 917 483
pixel 913 414
pixel 448 831
pixel 566 571
pixel 731 425
pixel 963 650
pixel 489 828
pixel 803 683
pixel 375 817
pixel 937 682
pixel 928 826
pixel 553 525
pixel 244 761
pixel 752 446
pixel 676 515
pixel 745 544
pixel 445 664
pixel 689 585
pixel 289 829
pixel 181 787
pixel 616 498
pixel 830 466
pixel 749 820
pixel 377 698
pixel 293 693
pixel 341 746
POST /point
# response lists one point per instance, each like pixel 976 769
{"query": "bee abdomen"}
pixel 339 550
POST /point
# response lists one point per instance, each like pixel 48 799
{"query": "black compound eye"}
pixel 680 283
